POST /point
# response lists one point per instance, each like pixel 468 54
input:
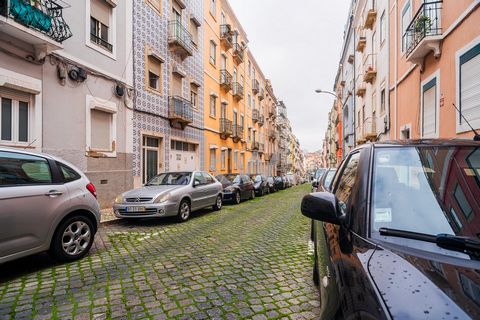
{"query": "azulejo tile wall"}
pixel 150 30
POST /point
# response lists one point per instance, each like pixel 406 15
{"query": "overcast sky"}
pixel 297 44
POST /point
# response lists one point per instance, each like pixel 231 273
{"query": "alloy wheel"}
pixel 76 238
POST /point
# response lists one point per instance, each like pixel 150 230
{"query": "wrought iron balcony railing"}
pixel 226 80
pixel 237 133
pixel 226 35
pixel 261 147
pixel 261 94
pixel 238 53
pixel 180 110
pixel 261 120
pixel 179 38
pixel 101 42
pixel 255 86
pixel 238 90
pixel 255 145
pixel 226 128
pixel 44 16
pixel 425 23
pixel 255 115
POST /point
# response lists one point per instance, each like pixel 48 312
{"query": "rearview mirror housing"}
pixel 322 206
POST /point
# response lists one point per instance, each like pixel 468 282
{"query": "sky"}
pixel 297 44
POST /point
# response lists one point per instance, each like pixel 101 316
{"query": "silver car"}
pixel 45 204
pixel 171 194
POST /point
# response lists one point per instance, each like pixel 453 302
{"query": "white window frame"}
pixel 435 75
pixel 213 59
pixel 213 8
pixel 213 96
pixel 112 32
pixel 476 124
pixel 383 28
pixel 213 164
pixel 403 48
pixel 223 159
pixel 105 106
pixel 33 87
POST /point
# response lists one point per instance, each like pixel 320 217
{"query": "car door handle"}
pixel 53 193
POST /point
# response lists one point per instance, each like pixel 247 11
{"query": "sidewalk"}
pixel 107 215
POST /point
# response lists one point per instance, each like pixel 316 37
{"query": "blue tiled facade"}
pixel 150 30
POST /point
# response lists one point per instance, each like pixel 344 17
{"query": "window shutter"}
pixel 100 10
pixel 470 90
pixel 429 110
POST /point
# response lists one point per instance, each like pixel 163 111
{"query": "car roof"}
pixel 30 153
pixel 421 143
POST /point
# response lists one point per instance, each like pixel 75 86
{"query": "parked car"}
pixel 271 184
pixel 293 178
pixel 46 204
pixel 280 183
pixel 316 177
pixel 171 194
pixel 323 184
pixel 260 184
pixel 402 225
pixel 237 187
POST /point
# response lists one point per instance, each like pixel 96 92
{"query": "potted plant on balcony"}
pixel 422 25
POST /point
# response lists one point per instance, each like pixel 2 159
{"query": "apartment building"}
pixel 435 64
pixel 168 58
pixel 66 85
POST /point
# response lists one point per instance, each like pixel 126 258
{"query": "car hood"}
pixel 150 191
pixel 417 284
pixel 257 185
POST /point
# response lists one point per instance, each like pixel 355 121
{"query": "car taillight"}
pixel 91 188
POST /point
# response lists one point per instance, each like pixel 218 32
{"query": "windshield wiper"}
pixel 443 240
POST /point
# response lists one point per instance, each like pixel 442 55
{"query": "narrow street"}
pixel 247 261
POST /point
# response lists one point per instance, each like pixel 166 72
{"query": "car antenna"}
pixel 476 136
pixel 30 144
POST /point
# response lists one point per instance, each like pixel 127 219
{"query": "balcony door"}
pixel 223 111
pixel 223 62
pixel 235 121
pixel 177 85
pixel 151 157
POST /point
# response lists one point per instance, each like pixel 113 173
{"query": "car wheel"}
pixel 73 238
pixel 253 195
pixel 183 211
pixel 268 190
pixel 218 203
pixel 238 198
pixel 260 193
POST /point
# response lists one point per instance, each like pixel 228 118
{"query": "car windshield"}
pixel 319 173
pixel 258 178
pixel 233 178
pixel 430 190
pixel 329 177
pixel 171 179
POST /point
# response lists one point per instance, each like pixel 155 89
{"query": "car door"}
pixel 211 189
pixel 199 198
pixel 247 187
pixel 31 197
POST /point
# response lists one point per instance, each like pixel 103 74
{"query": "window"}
pixel 213 52
pixel 242 121
pixel 15 120
pixel 249 134
pixel 194 31
pixel 100 130
pixel 429 109
pixel 249 100
pixel 207 178
pixel 469 78
pixel 194 95
pixel 213 106
pixel 150 158
pixel 406 18
pixel 199 179
pixel 100 13
pixel 21 169
pixel 347 180
pixel 182 146
pixel 382 101
pixel 242 161
pixel 156 4
pixel 213 8
pixel 235 160
pixel 249 69
pixel 383 28
pixel 101 125
pixel 223 159
pixel 68 173
pixel 154 66
pixel 463 202
pixel 471 289
pixel 213 159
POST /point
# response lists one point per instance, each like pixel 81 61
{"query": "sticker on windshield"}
pixel 383 214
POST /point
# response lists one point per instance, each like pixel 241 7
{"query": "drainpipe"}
pixel 396 72
pixel 354 84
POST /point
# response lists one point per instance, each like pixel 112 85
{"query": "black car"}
pixel 398 237
pixel 236 187
pixel 323 184
pixel 280 183
pixel 260 184
pixel 318 175
pixel 271 184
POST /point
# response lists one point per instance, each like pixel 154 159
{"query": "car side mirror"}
pixel 315 183
pixel 322 206
pixel 196 183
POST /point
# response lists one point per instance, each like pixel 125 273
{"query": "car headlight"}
pixel 162 198
pixel 119 199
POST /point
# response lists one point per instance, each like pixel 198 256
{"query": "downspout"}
pixel 354 83
pixel 396 72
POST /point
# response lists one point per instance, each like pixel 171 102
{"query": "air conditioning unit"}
pixel 382 124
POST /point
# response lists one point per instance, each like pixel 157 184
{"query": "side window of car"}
pixel 67 173
pixel 346 180
pixel 208 178
pixel 22 169
pixel 199 179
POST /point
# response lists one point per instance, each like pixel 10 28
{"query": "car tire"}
pixel 261 193
pixel 238 198
pixel 73 238
pixel 218 203
pixel 184 211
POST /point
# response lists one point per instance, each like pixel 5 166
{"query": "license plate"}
pixel 135 209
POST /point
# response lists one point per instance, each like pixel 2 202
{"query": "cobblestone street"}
pixel 249 261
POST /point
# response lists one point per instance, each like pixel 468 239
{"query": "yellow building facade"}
pixel 239 113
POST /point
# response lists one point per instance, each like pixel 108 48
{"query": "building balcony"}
pixel 261 120
pixel 237 135
pixel 238 53
pixel 226 36
pixel 255 115
pixel 261 148
pixel 179 39
pixel 261 94
pixel 371 16
pixel 272 112
pixel 370 68
pixel 226 128
pixel 39 23
pixel 273 135
pixel 180 112
pixel 424 34
pixel 361 43
pixel 255 86
pixel 368 130
pixel 226 80
pixel 238 91
pixel 255 146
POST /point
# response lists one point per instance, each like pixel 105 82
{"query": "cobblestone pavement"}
pixel 249 261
